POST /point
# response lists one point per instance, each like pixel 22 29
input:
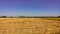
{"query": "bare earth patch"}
pixel 29 26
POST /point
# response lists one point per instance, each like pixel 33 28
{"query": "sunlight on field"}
pixel 29 26
pixel 58 19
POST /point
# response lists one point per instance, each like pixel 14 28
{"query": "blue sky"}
pixel 30 7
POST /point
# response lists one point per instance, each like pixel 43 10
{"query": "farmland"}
pixel 29 26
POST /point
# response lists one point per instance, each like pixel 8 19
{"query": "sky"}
pixel 30 7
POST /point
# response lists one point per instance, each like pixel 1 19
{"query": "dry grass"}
pixel 58 19
pixel 29 26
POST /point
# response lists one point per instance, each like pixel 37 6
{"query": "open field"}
pixel 58 19
pixel 29 26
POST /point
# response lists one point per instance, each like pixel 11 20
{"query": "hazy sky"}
pixel 30 7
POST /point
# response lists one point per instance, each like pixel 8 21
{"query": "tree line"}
pixel 29 17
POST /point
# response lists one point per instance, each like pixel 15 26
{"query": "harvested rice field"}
pixel 29 26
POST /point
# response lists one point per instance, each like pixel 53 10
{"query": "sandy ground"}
pixel 29 26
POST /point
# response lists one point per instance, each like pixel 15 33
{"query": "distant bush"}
pixel 58 16
pixel 2 16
